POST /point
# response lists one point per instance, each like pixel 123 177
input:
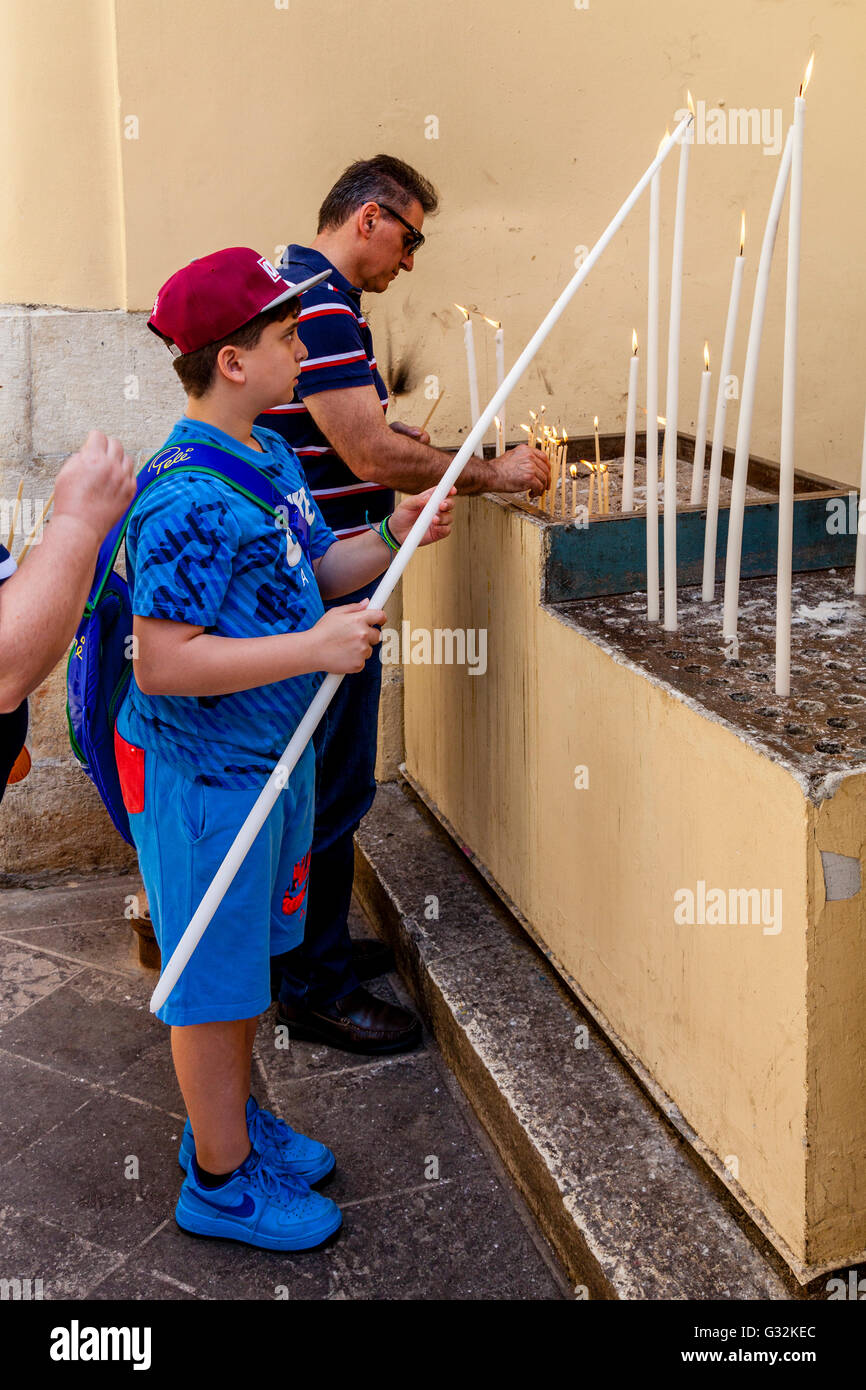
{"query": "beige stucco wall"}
pixel 757 1038
pixel 546 117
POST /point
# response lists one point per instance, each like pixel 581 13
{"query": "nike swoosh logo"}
pixel 243 1208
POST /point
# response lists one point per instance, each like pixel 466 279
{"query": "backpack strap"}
pixel 195 456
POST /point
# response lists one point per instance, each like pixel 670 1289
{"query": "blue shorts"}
pixel 182 831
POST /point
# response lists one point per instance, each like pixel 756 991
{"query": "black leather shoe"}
pixel 371 958
pixel 359 1022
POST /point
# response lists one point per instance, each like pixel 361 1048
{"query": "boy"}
pixel 230 640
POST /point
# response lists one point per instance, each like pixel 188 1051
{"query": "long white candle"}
pixel 708 590
pixel 789 403
pixel 630 417
pixel 279 777
pixel 652 407
pixel 860 561
pixel 747 403
pixel 472 370
pixel 673 388
pixel 697 492
pixel 500 375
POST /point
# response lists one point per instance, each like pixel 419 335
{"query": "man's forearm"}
pixel 41 604
pixel 404 464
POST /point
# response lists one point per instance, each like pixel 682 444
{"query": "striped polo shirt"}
pixel 340 345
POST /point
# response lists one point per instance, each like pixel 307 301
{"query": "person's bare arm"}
pixel 350 564
pixel 41 604
pixel 171 658
pixel 353 422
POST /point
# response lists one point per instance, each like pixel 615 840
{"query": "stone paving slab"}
pixel 88 1099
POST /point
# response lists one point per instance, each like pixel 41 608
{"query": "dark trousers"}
pixel 13 732
pixel 320 969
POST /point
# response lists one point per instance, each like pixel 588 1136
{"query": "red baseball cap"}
pixel 213 296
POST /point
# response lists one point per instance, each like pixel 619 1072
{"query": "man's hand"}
pixel 402 520
pixel 413 431
pixel 521 470
pixel 345 637
pixel 96 485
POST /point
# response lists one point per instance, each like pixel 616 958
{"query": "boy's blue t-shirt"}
pixel 200 552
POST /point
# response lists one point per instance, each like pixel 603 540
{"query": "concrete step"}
pixel 630 1208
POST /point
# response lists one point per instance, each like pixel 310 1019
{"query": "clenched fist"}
pixel 96 485
pixel 345 637
pixel 521 470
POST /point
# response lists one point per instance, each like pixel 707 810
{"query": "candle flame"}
pixel 706 357
pixel 526 427
pixel 743 232
pixel 690 102
pixel 532 415
pixel 807 76
pixel 595 423
pixel 634 341
pixel 573 470
pixel 564 437
pixel 494 323
pixel 464 312
pixel 496 421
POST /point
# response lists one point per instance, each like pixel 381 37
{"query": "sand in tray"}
pixel 821 727
pixel 615 471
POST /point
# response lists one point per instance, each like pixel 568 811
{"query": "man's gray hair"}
pixel 383 178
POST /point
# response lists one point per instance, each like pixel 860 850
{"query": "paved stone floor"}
pixel 91 1117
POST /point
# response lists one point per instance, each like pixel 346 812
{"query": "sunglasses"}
pixel 417 240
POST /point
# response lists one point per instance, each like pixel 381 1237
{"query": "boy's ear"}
pixel 229 364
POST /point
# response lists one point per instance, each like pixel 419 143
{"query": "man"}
pixel 41 604
pixel 369 230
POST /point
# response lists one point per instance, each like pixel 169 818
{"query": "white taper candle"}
pixel 747 402
pixel 673 387
pixel 630 420
pixel 652 407
pixel 697 492
pixel 708 590
pixel 789 411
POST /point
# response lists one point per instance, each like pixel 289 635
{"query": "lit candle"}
pixel 499 341
pixel 789 400
pixel 860 562
pixel 469 344
pixel 630 417
pixel 747 403
pixel 652 402
pixel 701 434
pixel 708 590
pixel 673 384
pixel 597 445
pixel 573 471
pixel 591 467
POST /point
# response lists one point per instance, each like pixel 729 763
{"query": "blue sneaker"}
pixel 285 1149
pixel 258 1206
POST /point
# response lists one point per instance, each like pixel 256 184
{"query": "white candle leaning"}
pixel 469 345
pixel 652 406
pixel 747 402
pixel 708 589
pixel 697 492
pixel 860 562
pixel 784 564
pixel 630 417
pixel 673 387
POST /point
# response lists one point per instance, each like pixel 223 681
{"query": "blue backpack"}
pixel 100 662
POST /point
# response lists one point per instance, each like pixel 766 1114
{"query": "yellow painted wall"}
pixel 758 1039
pixel 61 222
pixel 547 116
